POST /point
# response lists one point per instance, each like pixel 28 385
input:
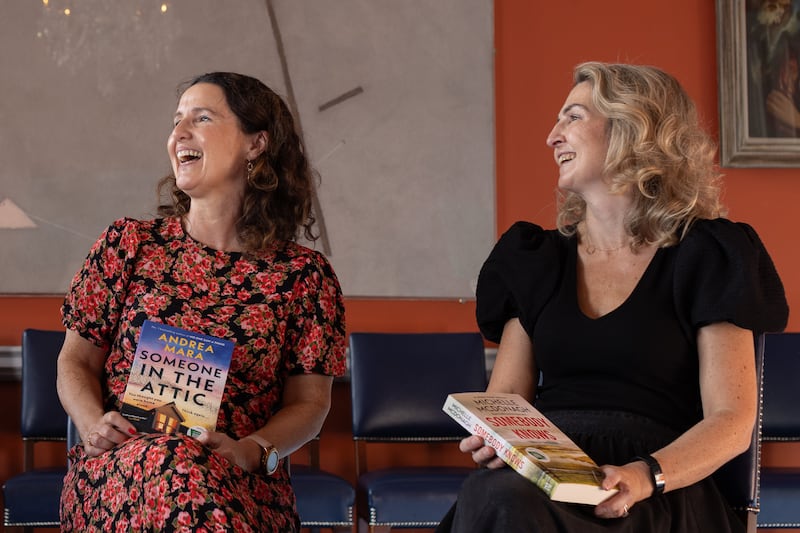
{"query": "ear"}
pixel 258 145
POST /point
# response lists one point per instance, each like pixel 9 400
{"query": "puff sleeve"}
pixel 518 278
pixel 723 273
pixel 94 303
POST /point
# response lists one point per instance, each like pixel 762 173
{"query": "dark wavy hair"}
pixel 278 197
pixel 657 149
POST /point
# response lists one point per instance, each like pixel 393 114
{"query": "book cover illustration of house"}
pixel 532 445
pixel 176 380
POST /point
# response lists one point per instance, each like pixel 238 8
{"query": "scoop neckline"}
pixel 625 302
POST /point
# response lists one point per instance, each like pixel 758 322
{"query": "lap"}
pixel 503 501
pixel 171 482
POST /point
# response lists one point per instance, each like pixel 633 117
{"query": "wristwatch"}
pixel 659 481
pixel 270 459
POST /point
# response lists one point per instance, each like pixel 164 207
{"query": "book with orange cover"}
pixel 530 444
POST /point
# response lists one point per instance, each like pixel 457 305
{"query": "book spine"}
pixel 511 455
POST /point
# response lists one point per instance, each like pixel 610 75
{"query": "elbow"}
pixel 744 437
pixel 318 412
pixel 742 445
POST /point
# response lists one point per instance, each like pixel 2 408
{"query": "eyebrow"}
pixel 568 108
pixel 196 110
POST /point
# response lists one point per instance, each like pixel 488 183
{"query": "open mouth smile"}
pixel 186 156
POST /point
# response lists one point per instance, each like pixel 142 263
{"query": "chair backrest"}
pixel 782 387
pixel 738 480
pixel 42 416
pixel 399 382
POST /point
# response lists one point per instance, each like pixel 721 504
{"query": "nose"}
pixel 179 131
pixel 555 137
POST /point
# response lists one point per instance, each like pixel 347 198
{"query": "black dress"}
pixel 623 384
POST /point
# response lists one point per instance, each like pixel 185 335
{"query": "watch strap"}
pixel 259 440
pixel 657 475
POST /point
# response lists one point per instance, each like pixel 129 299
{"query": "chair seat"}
pixel 780 498
pixel 323 499
pixel 411 497
pixel 32 498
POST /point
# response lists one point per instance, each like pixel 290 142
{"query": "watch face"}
pixel 272 460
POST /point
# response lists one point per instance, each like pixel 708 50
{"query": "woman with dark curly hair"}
pixel 223 261
pixel 631 325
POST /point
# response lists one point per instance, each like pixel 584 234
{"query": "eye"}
pixel 203 118
pixel 573 117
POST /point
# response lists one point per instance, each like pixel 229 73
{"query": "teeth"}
pixel 566 157
pixel 187 155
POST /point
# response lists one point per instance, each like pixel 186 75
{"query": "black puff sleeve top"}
pixel 642 356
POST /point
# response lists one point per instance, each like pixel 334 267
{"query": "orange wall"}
pixel 537 44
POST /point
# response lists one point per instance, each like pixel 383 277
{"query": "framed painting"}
pixel 758 49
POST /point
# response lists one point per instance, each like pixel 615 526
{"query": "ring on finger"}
pixel 90 439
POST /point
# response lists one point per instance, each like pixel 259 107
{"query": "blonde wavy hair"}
pixel 656 149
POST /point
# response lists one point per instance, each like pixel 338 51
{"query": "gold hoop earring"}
pixel 250 167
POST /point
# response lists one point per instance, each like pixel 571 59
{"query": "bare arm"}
pixel 80 371
pixel 729 395
pixel 514 371
pixel 306 402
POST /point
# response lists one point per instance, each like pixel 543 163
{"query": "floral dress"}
pixel 283 309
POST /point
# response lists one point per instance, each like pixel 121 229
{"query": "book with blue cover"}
pixel 176 380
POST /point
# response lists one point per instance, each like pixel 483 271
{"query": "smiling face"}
pixel 580 142
pixel 207 147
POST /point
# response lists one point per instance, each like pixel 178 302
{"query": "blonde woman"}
pixel 631 325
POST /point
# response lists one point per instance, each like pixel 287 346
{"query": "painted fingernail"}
pixel 132 431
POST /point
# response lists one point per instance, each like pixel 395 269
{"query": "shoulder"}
pixel 529 235
pixel 302 256
pixel 134 226
pixel 529 241
pixel 519 277
pixel 723 245
pixel 305 264
pixel 723 272
pixel 129 233
pixel 723 234
pixel 526 249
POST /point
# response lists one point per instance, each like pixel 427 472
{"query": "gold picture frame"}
pixel 758 51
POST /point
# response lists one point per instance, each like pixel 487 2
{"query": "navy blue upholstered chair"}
pixel 32 497
pixel 399 383
pixel 780 487
pixel 738 480
pixel 324 500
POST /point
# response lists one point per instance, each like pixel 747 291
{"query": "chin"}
pixel 565 183
pixel 183 183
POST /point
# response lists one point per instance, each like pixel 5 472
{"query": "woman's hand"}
pixel 245 453
pixel 783 109
pixel 107 432
pixel 483 455
pixel 634 483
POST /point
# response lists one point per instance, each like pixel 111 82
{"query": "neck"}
pixel 218 232
pixel 608 242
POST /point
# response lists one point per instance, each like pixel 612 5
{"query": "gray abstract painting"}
pixel 394 99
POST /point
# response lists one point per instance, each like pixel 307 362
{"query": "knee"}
pixel 491 486
pixel 497 501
